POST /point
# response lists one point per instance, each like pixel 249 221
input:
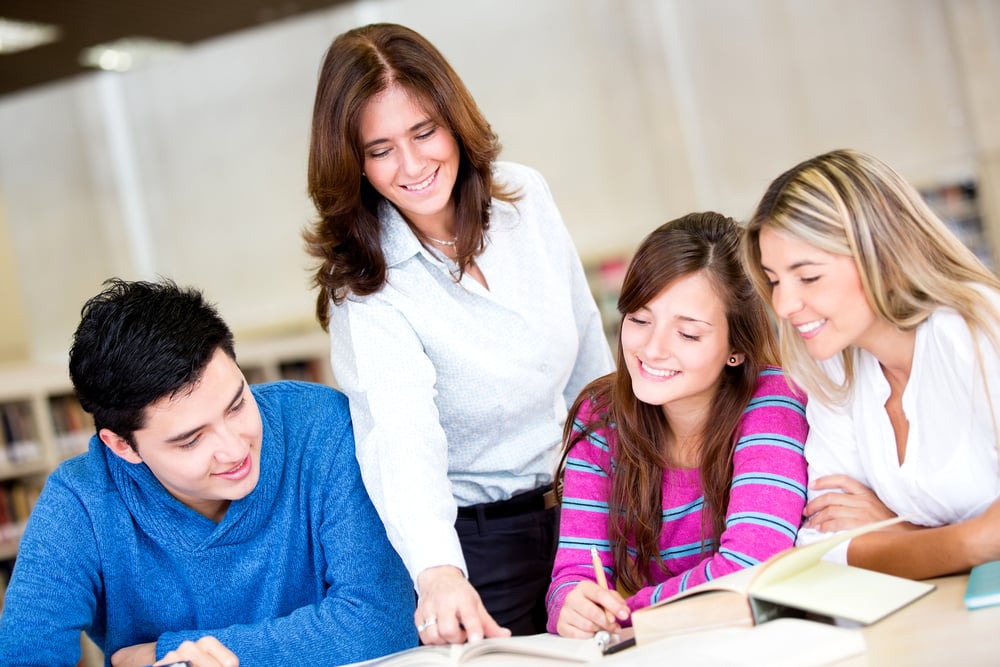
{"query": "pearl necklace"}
pixel 440 242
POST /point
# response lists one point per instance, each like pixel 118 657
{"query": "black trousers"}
pixel 509 559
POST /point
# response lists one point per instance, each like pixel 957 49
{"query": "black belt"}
pixel 539 499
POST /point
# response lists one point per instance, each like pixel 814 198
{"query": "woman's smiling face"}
pixel 677 345
pixel 409 158
pixel 819 293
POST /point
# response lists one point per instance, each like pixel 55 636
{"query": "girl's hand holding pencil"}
pixel 592 607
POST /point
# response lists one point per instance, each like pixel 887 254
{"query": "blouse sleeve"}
pixel 402 449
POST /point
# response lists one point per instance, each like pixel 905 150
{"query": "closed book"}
pixel 983 589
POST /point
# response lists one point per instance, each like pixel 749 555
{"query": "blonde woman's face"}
pixel 819 293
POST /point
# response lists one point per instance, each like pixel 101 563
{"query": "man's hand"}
pixel 138 655
pixel 206 652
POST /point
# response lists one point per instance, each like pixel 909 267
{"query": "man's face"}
pixel 203 444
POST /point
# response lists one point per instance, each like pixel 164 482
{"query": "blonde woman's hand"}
pixel 855 505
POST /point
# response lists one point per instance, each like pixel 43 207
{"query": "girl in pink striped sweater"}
pixel 686 463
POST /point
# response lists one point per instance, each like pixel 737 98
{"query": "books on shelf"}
pixel 795 582
pixel 305 370
pixel 983 589
pixel 19 434
pixel 73 427
pixel 17 498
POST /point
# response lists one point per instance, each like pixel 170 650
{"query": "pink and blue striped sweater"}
pixel 765 506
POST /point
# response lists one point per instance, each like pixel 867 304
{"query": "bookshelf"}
pixel 958 206
pixel 292 356
pixel 42 424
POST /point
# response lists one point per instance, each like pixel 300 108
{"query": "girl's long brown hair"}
pixel 346 237
pixel 698 242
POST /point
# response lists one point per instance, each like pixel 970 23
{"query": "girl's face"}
pixel 819 293
pixel 676 346
pixel 409 158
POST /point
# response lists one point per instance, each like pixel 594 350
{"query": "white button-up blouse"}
pixel 950 471
pixel 459 393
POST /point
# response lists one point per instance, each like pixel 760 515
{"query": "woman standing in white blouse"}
pixel 461 325
pixel 893 328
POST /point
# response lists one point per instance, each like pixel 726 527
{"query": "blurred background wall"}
pixel 636 111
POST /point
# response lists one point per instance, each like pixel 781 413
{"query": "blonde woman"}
pixel 892 326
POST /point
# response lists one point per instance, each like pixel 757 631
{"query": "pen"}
pixel 602 581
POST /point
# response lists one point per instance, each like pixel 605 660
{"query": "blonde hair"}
pixel 849 203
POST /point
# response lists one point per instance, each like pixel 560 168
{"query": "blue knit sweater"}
pixel 299 572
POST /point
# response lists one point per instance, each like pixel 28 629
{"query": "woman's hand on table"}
pixel 449 610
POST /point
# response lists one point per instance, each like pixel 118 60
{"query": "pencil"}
pixel 602 581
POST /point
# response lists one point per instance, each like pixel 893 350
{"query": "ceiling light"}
pixel 21 35
pixel 129 53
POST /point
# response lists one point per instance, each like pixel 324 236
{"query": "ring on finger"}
pixel 426 623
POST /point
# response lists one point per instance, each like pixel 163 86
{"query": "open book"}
pixel 795 582
pixel 542 646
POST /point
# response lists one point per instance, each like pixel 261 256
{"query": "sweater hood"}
pixel 166 519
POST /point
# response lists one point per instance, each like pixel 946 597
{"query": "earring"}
pixel 732 360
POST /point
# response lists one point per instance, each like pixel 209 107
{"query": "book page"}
pixel 524 650
pixel 423 656
pixel 844 592
pixel 796 559
pixel 541 645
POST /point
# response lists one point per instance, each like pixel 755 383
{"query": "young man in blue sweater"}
pixel 209 520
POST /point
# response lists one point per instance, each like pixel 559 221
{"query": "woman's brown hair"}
pixel 698 242
pixel 346 238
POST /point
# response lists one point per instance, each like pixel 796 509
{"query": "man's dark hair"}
pixel 138 342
